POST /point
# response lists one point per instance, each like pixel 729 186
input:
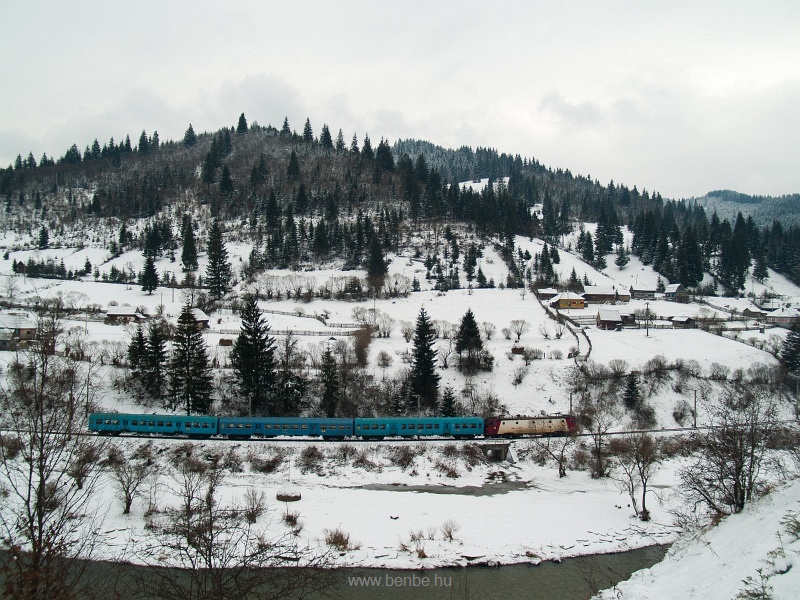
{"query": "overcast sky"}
pixel 676 97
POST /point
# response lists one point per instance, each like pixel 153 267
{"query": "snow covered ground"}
pixel 756 550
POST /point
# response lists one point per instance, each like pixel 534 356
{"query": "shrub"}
pixel 11 446
pixel 449 529
pixel 255 504
pixel 310 459
pixel 556 355
pixel 403 456
pixel 339 540
pixel 266 464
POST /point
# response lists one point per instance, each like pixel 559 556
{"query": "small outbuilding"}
pixel 683 322
pixel 608 318
pixel 201 318
pixel 643 293
pixel 546 293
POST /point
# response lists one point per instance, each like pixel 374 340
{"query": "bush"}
pixel 449 529
pixel 682 412
pixel 310 459
pixel 339 540
pixel 255 504
pixel 11 446
pixel 403 456
pixel 556 355
pixel 266 464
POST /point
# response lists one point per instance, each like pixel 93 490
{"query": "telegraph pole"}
pixel 647 319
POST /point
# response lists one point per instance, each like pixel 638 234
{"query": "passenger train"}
pixel 204 427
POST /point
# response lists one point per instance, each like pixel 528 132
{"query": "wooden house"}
pixel 683 322
pixel 608 318
pixel 124 314
pixel 566 300
pixel 643 293
pixel 675 292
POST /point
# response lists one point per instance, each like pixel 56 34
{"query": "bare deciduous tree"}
pixel 407 330
pixel 47 512
pixel 733 465
pixel 544 331
pixel 488 329
pixel 637 457
pixel 519 327
pixel 556 449
pixel 219 546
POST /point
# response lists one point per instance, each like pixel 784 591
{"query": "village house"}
pixel 17 330
pixel 566 300
pixel 546 293
pixel 600 294
pixel 643 293
pixel 608 318
pixel 785 317
pixel 201 318
pixel 123 314
pixel 675 292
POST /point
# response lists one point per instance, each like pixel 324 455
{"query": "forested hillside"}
pixel 313 197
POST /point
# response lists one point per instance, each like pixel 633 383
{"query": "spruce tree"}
pixel 190 375
pixel 44 238
pixel 622 257
pixel 308 133
pixel 253 360
pixel 241 128
pixel 791 350
pixel 189 138
pixel 376 265
pixel 469 340
pixel 448 407
pixel 330 384
pixel 189 251
pixel 154 371
pixel 631 396
pixel 424 379
pixel 218 271
pixel 137 351
pixel 293 169
pixel 149 275
pixel 325 139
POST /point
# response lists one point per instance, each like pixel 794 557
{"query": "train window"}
pixel 412 426
pixel 383 425
pixel 152 423
pixel 286 427
pixel 160 423
pixel 206 426
pixel 188 425
pixel 294 426
pixel 428 426
pixel 375 426
pixel 248 425
pixel 108 422
pixel 238 426
pixel 169 423
pixel 436 426
pixel 134 423
pixel 304 427
pixel 457 425
pixel 403 426
pixel 325 427
pixel 115 422
pixel 342 427
pixel 98 421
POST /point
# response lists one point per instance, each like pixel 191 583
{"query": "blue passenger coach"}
pixel 117 423
pixel 245 427
pixel 410 427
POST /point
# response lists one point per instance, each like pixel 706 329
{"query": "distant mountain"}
pixel 764 209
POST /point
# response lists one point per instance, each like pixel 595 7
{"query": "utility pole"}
pixel 647 319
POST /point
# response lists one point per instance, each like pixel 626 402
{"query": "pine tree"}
pixel 226 182
pixel 285 129
pixel 631 396
pixel 137 351
pixel 189 138
pixel 241 128
pixel 448 407
pixel 340 146
pixel 791 350
pixel 150 275
pixel 376 265
pixel 622 257
pixel 330 384
pixel 367 153
pixel 44 238
pixel 144 144
pixel 293 169
pixel 253 360
pixel 154 371
pixel 308 133
pixel 325 139
pixel 190 376
pixel 424 379
pixel 218 271
pixel 189 251
pixel 469 340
